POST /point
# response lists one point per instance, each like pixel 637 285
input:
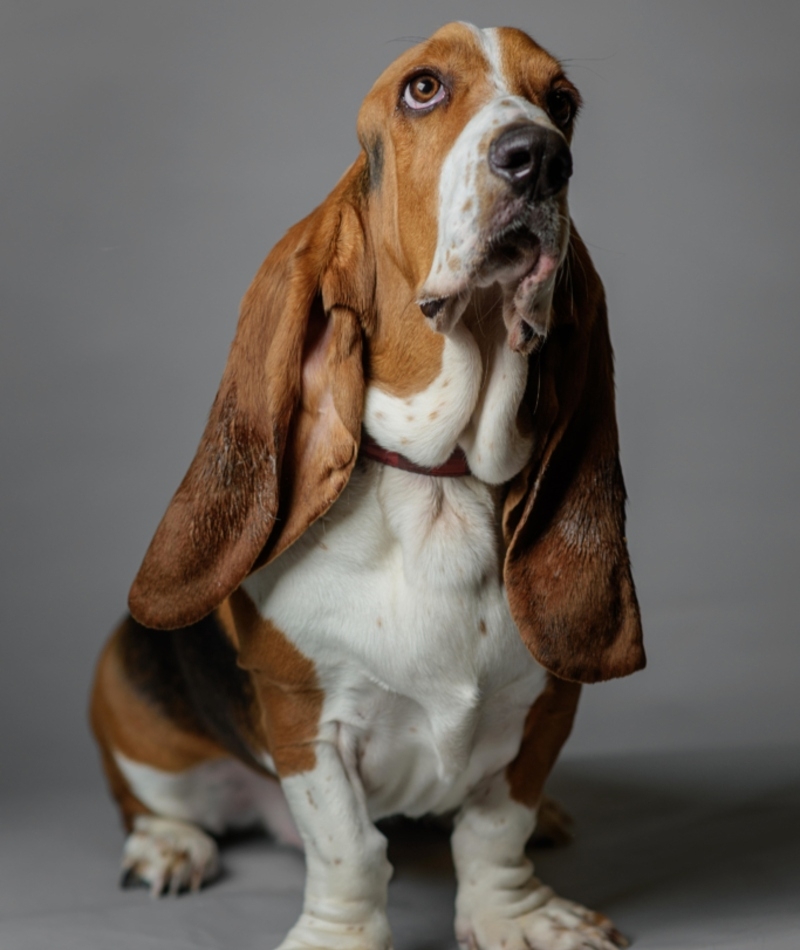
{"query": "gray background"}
pixel 152 153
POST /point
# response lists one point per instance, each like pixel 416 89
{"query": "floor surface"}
pixel 681 850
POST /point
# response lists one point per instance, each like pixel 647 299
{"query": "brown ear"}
pixel 283 433
pixel 567 570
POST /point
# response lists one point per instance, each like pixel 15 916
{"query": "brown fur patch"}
pixel 547 727
pixel 224 511
pixel 125 721
pixel 405 354
pixel 231 685
pixel 531 71
pixel 567 569
pixel 128 721
pixel 289 695
pixel 326 427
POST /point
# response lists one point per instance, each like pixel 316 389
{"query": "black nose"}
pixel 533 159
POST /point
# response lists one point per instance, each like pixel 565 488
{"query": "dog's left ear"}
pixel 284 430
pixel 567 570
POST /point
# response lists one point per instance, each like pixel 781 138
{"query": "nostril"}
pixel 518 158
pixel 516 155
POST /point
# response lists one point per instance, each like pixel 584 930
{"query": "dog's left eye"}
pixel 423 92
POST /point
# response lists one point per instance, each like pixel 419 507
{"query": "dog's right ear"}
pixel 289 404
pixel 567 570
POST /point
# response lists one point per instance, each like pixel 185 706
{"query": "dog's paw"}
pixel 168 856
pixel 554 825
pixel 556 925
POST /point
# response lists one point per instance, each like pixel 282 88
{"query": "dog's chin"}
pixel 523 266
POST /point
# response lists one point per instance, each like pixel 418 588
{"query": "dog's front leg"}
pixel 500 904
pixel 347 871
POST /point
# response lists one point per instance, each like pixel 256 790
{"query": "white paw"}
pixel 169 856
pixel 557 925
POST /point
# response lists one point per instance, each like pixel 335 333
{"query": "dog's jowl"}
pixel 400 547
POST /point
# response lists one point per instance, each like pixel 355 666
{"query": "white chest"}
pixel 397 596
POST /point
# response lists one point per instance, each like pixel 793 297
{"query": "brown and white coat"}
pixel 385 641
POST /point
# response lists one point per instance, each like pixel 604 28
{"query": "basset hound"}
pixel 399 550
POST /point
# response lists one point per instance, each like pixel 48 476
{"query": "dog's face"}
pixel 467 140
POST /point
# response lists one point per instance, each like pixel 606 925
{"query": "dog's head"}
pixel 460 190
pixel 467 139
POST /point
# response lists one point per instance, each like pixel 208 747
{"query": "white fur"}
pixel 426 426
pixel 489 42
pixel 217 795
pixel 347 870
pixel 468 404
pixel 168 855
pixel 389 594
pixel 499 901
pixel 494 446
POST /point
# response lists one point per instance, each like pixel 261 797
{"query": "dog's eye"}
pixel 423 92
pixel 562 107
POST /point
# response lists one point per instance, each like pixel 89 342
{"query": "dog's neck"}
pixel 470 397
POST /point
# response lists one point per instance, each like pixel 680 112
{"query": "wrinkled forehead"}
pixel 477 65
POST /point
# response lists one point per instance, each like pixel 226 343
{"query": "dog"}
pixel 399 550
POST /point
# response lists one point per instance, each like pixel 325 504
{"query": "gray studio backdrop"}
pixel 153 152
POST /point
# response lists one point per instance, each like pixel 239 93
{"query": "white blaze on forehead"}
pixel 468 189
pixel 489 42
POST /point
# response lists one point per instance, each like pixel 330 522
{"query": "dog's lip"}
pixel 512 234
pixel 531 265
pixel 515 232
pixel 542 269
pixel 525 326
pixel 517 250
pixel 544 263
pixel 521 259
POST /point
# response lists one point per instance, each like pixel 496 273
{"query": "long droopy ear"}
pixel 567 569
pixel 283 433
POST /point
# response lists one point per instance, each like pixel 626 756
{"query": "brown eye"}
pixel 423 92
pixel 562 107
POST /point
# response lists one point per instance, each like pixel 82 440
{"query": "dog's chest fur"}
pixel 397 596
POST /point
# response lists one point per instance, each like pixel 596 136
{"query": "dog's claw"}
pixel 196 880
pixel 620 940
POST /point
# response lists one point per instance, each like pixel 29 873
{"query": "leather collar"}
pixel 455 467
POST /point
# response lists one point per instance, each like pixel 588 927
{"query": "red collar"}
pixel 454 467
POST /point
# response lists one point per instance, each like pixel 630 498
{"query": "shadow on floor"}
pixel 703 841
